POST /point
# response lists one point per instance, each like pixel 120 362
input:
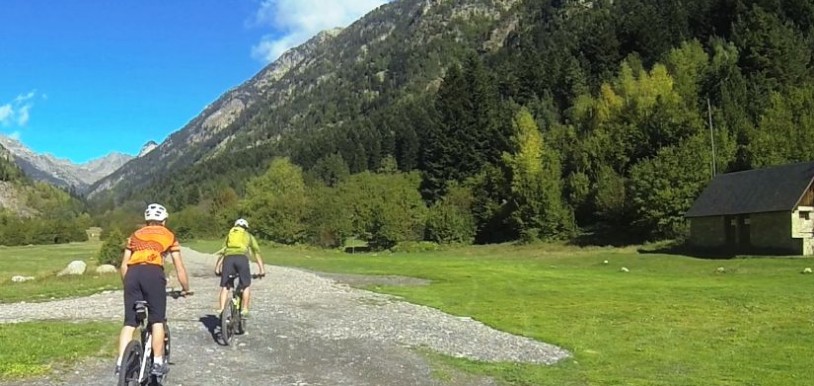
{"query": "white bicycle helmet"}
pixel 155 212
pixel 242 223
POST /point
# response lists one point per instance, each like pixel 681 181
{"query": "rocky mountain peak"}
pixel 148 147
pixel 58 171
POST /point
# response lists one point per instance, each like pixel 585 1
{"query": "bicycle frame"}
pixel 144 348
pixel 146 339
pixel 235 292
pixel 231 318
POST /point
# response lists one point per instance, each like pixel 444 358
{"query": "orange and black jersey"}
pixel 149 243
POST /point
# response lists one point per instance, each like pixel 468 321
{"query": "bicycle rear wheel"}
pixel 226 324
pixel 131 364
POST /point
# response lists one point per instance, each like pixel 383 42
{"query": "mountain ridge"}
pixel 60 171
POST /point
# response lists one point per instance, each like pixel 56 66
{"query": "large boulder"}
pixel 106 268
pixel 76 267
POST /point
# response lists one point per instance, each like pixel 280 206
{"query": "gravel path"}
pixel 305 330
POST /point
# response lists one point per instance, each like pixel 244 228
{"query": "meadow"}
pixel 669 320
pixel 43 262
pixel 34 348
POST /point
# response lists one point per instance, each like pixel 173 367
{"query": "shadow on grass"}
pixel 602 237
pixel 608 236
pixel 722 253
pixel 682 249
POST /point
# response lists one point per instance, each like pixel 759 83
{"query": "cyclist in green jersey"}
pixel 234 259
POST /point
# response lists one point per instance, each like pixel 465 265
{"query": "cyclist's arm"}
pixel 260 264
pixel 180 270
pixel 125 258
pixel 219 263
pixel 255 249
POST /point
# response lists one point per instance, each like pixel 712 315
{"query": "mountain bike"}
pixel 231 321
pixel 137 360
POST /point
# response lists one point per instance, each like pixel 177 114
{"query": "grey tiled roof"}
pixel 771 189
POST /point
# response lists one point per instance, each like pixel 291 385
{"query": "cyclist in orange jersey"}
pixel 143 276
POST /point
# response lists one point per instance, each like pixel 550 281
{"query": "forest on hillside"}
pixel 41 213
pixel 599 117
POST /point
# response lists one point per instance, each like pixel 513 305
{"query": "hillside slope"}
pixel 393 51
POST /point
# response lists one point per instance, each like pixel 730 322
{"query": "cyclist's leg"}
pixel 242 263
pixel 132 294
pixel 154 285
pixel 227 269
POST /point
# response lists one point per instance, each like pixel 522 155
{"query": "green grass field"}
pixel 36 348
pixel 43 262
pixel 670 320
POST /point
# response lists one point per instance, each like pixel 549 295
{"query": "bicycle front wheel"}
pixel 131 364
pixel 167 345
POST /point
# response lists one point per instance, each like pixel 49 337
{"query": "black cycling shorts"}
pixel 145 282
pixel 238 264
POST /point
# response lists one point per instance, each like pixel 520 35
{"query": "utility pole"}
pixel 711 138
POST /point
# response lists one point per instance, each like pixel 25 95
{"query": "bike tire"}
pixel 131 364
pixel 226 329
pixel 167 341
pixel 238 316
pixel 242 325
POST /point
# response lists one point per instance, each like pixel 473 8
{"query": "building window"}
pixel 804 215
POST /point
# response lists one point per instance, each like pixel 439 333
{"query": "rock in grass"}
pixel 21 279
pixel 720 270
pixel 76 267
pixel 624 269
pixel 807 270
pixel 605 262
pixel 106 268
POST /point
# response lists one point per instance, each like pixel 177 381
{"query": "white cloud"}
pixel 15 135
pixel 295 21
pixel 6 114
pixel 24 97
pixel 23 115
pixel 18 111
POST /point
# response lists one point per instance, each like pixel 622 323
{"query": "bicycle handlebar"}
pixel 254 275
pixel 175 294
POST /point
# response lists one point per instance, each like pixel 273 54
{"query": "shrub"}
pixel 415 247
pixel 450 220
pixel 112 249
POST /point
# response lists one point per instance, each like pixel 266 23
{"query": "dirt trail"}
pixel 304 330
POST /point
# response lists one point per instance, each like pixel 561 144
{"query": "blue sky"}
pixel 80 79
